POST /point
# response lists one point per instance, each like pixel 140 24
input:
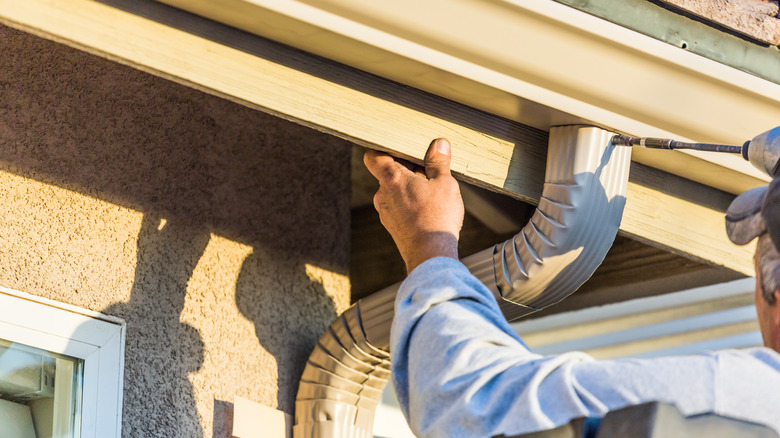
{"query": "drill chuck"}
pixel 763 152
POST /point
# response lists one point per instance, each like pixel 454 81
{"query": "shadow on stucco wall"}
pixel 278 317
pixel 135 143
pixel 162 349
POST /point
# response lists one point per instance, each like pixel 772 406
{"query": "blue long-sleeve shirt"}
pixel 460 370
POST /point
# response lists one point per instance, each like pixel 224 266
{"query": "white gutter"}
pixel 534 61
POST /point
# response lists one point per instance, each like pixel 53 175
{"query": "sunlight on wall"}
pixel 229 342
pixel 244 312
pixel 64 245
pixel 235 362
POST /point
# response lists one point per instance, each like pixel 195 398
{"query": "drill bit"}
pixel 665 143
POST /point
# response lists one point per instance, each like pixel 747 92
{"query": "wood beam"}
pixel 496 61
pixel 492 152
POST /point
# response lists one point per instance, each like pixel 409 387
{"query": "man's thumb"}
pixel 437 159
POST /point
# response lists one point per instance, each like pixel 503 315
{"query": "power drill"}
pixel 763 151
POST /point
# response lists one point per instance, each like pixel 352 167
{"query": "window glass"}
pixel 40 392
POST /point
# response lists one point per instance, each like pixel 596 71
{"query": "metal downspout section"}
pixel 571 230
pixel 564 242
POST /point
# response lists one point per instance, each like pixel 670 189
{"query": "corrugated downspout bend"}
pixel 564 242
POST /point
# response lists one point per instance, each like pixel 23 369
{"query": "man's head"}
pixel 756 214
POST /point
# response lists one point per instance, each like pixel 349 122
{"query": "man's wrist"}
pixel 431 245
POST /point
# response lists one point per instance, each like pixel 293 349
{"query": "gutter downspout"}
pixel 564 242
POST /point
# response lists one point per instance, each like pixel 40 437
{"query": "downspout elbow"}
pixel 559 249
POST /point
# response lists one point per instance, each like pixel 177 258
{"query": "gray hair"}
pixel 769 265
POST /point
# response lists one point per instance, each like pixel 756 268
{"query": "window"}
pixel 60 369
pixel 40 392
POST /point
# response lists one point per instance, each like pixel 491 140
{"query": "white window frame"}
pixel 97 339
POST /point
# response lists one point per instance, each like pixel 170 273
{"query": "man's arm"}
pixel 459 369
pixel 463 345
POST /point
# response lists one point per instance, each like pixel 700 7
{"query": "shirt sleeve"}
pixel 460 370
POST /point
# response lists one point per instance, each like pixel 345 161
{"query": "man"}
pixel 756 213
pixel 460 370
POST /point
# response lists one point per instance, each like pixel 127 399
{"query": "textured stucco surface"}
pixel 220 234
pixel 755 18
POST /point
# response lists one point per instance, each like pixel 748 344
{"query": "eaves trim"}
pixel 537 62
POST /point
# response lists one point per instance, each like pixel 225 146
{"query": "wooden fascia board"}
pixel 490 151
pixel 537 62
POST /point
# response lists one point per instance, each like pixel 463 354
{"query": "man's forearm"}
pixel 460 370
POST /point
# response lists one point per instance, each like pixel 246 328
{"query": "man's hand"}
pixel 421 208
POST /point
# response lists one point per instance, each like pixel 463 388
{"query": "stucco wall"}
pixel 220 234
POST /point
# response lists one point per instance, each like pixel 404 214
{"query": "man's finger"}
pixel 381 165
pixel 437 159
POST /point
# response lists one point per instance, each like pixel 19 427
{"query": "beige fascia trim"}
pixel 537 62
pixel 668 211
